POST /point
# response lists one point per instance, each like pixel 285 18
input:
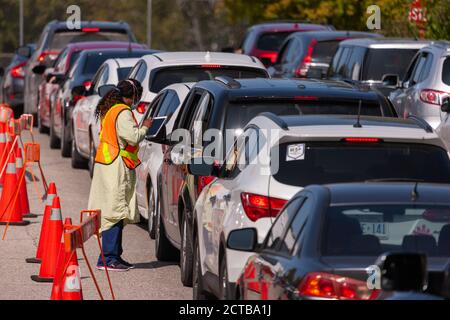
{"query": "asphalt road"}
pixel 151 280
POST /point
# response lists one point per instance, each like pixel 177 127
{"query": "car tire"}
pixel 55 142
pixel 223 280
pixel 198 293
pixel 78 161
pixel 164 250
pixel 66 144
pixel 91 161
pixel 151 213
pixel 186 253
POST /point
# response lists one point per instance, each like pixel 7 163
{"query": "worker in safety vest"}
pixel 113 188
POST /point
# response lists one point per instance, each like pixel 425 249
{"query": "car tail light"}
pixel 77 98
pixel 142 107
pixel 203 182
pixel 17 71
pixel 258 206
pixel 432 96
pixel 330 286
pixel 362 140
pixel 306 98
pixel 303 69
pixel 211 66
pixel 44 55
pixel 87 85
pixel 90 29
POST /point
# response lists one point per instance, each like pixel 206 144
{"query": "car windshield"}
pixel 167 76
pixel 305 163
pixel 271 41
pixel 122 73
pixel 62 38
pixel 387 61
pixel 370 230
pixel 240 113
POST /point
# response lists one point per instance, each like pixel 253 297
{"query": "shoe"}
pixel 127 264
pixel 115 266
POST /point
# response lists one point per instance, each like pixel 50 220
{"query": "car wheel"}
pixel 197 277
pixel 224 287
pixel 55 142
pixel 66 144
pixel 186 263
pixel 164 250
pixel 78 161
pixel 151 212
pixel 91 161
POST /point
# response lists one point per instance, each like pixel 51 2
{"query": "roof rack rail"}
pixel 272 116
pixel 421 123
pixel 229 82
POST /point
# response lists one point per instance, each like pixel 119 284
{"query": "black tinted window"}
pixel 335 162
pixel 446 72
pixel 325 50
pixel 387 61
pixel 122 73
pixel 271 41
pixel 62 39
pixel 94 61
pixel 167 76
pixel 369 230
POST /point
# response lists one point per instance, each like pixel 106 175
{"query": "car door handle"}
pixel 227 197
pixel 213 199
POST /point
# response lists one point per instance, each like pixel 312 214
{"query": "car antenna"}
pixel 358 121
pixel 414 193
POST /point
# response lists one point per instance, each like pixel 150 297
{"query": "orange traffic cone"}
pixel 9 205
pixel 23 195
pixel 6 150
pixel 51 245
pixel 51 194
pixel 2 143
pixel 71 283
pixel 64 259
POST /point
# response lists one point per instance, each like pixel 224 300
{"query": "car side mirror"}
pixel 103 90
pixel 445 107
pixel 243 240
pixel 403 271
pixel 79 91
pixel 390 80
pixel 39 69
pixel 24 51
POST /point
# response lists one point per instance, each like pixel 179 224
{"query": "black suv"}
pixel 55 37
pixel 227 105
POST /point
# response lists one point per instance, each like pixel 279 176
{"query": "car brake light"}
pixel 258 206
pixel 303 69
pixel 17 71
pixel 142 107
pixel 306 98
pixel 87 85
pixel 432 96
pixel 330 286
pixel 44 55
pixel 90 29
pixel 211 66
pixel 362 140
pixel 203 182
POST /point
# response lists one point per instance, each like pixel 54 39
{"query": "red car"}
pixel 264 40
pixel 53 77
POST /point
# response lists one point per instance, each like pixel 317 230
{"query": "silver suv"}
pixel 426 83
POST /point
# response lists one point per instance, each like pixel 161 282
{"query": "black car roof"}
pixel 264 88
pixel 330 35
pixel 388 192
pixel 113 50
pixel 59 25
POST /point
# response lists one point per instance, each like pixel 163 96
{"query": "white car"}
pixel 167 103
pixel 160 70
pixel 85 125
pixel 276 157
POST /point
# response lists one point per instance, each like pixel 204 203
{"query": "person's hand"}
pixel 147 123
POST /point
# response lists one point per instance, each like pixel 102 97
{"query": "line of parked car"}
pixel 339 166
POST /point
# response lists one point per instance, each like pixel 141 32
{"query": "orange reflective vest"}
pixel 109 148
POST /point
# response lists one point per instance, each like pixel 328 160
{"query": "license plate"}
pixel 377 229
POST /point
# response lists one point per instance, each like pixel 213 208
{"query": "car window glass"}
pixel 342 61
pixel 353 69
pixel 284 53
pixel 104 77
pixel 96 79
pixel 154 106
pixel 446 71
pixel 141 73
pixel 426 68
pixel 184 118
pixel 333 67
pixel 197 125
pixel 275 237
pixel 411 68
pixel 60 62
pixel 165 104
pixel 418 70
pixel 293 51
pixel 135 70
pixel 244 152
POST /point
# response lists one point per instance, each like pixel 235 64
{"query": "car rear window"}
pixel 94 61
pixel 370 230
pixel 336 162
pixel 271 41
pixel 240 113
pixel 387 61
pixel 122 73
pixel 324 51
pixel 62 38
pixel 446 71
pixel 167 76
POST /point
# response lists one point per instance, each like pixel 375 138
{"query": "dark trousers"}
pixel 112 244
